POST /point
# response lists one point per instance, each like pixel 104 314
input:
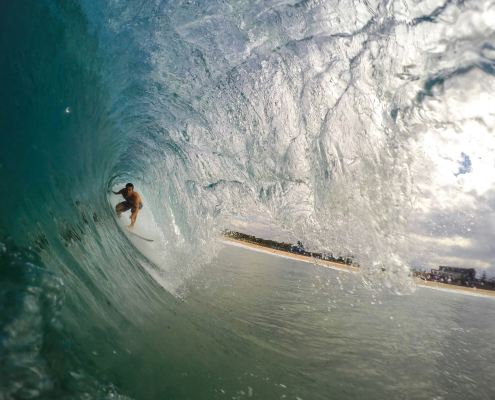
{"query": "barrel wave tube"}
pixel 360 128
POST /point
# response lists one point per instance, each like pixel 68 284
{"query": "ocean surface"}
pixel 300 116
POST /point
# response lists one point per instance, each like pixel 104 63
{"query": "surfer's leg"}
pixel 134 216
pixel 118 209
pixel 133 221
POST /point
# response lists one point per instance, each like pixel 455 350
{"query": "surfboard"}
pixel 139 236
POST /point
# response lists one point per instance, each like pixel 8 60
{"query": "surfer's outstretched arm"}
pixel 119 192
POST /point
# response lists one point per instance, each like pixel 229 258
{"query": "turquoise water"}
pixel 302 115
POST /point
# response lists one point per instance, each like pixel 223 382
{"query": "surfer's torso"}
pixel 132 197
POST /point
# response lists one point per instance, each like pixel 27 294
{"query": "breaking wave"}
pixel 305 114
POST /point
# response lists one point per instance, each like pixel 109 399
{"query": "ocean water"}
pixel 304 330
pixel 302 115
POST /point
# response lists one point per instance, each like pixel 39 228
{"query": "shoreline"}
pixel 348 268
pixel 338 266
pixel 455 288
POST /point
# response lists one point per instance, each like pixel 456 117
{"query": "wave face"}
pixel 304 112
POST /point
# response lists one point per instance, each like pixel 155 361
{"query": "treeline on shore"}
pixel 287 247
pixel 455 279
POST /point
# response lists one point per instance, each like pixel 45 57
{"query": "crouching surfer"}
pixel 132 202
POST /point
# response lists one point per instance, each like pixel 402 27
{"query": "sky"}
pixel 454 223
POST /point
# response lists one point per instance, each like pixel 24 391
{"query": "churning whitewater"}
pixel 305 116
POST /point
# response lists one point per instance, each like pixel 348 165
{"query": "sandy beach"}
pixel 292 255
pixel 347 268
pixel 444 286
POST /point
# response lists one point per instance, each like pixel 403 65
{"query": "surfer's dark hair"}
pixel 129 185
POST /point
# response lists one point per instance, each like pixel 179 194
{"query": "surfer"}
pixel 132 202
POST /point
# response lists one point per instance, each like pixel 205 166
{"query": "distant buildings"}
pixel 454 274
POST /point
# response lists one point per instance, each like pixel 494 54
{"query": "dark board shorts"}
pixel 127 206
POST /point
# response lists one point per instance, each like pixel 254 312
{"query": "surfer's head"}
pixel 129 187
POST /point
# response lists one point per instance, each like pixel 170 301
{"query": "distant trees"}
pixel 299 249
